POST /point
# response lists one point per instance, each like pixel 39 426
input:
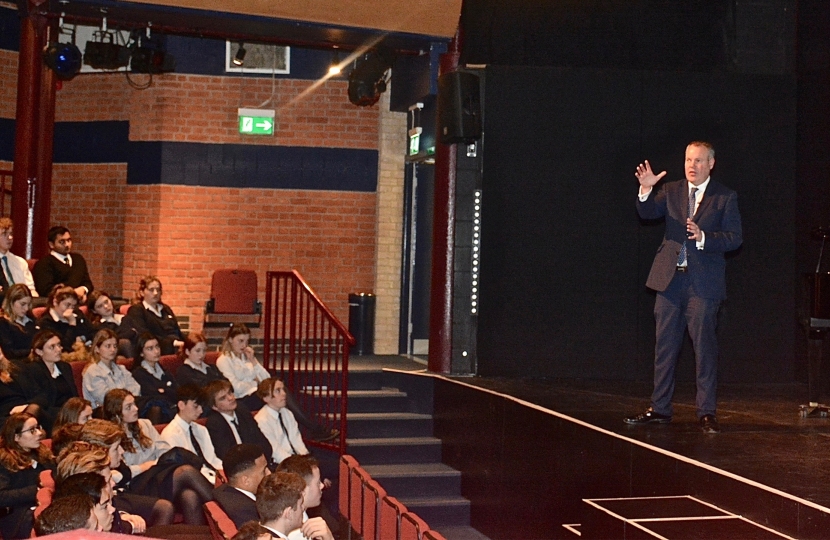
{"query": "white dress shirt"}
pixel 20 271
pixel 244 376
pixel 268 420
pixel 177 433
pixel 143 455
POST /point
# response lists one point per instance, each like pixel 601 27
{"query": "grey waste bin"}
pixel 362 322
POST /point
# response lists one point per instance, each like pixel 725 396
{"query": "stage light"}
pixel 239 58
pixel 105 53
pixel 64 59
pixel 367 81
pixel 334 68
pixel 148 60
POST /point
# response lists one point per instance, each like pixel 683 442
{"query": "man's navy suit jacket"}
pixel 718 218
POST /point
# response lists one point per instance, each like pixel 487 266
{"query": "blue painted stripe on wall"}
pixel 6 139
pixel 9 29
pixel 218 165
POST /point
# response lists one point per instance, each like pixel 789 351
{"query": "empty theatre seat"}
pixel 373 493
pixel 347 463
pixel 356 479
pixel 412 527
pixel 233 291
pixel 391 510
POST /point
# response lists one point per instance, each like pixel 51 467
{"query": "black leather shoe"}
pixel 648 417
pixel 709 424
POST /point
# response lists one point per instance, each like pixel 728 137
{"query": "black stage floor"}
pixel 763 436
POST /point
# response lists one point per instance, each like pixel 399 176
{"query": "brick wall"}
pixel 183 233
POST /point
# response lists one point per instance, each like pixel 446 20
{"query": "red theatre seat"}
pixel 373 493
pixel 412 527
pixel 347 463
pixel 356 479
pixel 233 291
pixel 221 526
pixel 391 511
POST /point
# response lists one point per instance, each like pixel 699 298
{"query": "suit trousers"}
pixel 676 310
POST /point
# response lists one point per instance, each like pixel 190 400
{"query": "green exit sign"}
pixel 256 121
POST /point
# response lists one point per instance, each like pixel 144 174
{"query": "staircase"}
pixel 390 435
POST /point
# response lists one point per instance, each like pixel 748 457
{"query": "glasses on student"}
pixel 32 429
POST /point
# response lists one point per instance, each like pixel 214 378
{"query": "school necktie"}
pixel 7 270
pixel 284 430
pixel 690 211
pixel 197 447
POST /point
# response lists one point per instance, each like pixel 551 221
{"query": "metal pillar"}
pixel 34 131
pixel 443 240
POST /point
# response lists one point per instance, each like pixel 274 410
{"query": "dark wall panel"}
pixel 564 256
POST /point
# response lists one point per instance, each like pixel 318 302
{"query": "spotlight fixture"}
pixel 150 60
pixel 367 81
pixel 64 59
pixel 239 58
pixel 334 68
pixel 104 53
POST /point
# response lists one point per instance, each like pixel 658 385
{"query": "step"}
pixel 417 479
pixel 377 451
pixel 460 533
pixel 392 424
pixel 438 511
pixel 363 379
pixel 383 400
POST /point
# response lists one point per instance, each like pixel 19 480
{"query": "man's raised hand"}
pixel 646 177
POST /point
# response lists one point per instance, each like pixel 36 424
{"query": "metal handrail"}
pixel 308 347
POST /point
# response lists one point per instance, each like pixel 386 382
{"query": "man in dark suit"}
pixel 688 273
pixel 230 422
pixel 61 266
pixel 245 466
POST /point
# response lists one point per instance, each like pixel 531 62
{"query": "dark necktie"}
pixel 690 211
pixel 7 270
pixel 66 261
pixel 284 430
pixel 197 448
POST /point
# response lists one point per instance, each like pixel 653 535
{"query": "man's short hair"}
pixel 302 465
pixel 88 483
pixel 214 388
pixel 54 232
pixel 707 145
pixel 277 492
pixel 5 224
pixel 266 387
pixel 240 458
pixel 190 392
pixel 65 514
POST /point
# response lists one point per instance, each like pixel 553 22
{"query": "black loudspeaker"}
pixel 459 107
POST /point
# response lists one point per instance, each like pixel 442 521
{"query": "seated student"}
pixel 102 315
pixel 64 318
pixel 252 531
pixel 17 327
pixel 17 392
pixel 51 378
pixel 229 422
pixel 279 501
pixel 177 482
pixel 96 488
pixel 238 363
pixel 13 268
pixel 76 410
pixel 149 315
pixel 69 513
pixel 158 388
pixel 61 266
pixel 194 370
pixel 308 468
pixel 22 458
pixel 84 457
pixel 277 423
pixel 105 374
pixel 245 467
pixel 184 432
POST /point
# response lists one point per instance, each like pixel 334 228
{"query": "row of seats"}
pixel 373 514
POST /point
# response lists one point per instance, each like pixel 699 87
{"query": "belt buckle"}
pixel 682 268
